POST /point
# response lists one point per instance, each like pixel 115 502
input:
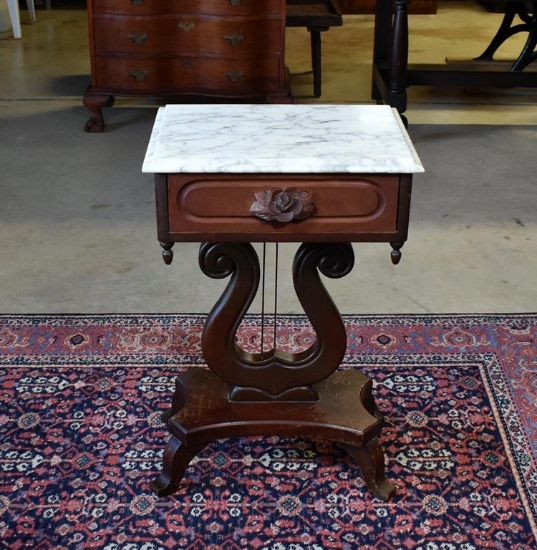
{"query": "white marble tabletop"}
pixel 248 139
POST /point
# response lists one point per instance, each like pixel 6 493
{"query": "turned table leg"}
pixel 398 67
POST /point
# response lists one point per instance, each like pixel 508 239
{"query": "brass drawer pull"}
pixel 187 25
pixel 283 205
pixel 234 39
pixel 234 76
pixel 138 38
pixel 139 75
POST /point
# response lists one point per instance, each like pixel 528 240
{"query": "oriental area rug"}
pixel 81 438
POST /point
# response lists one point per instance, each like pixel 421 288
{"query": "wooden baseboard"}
pixel 368 6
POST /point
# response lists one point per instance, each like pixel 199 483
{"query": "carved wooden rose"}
pixel 283 205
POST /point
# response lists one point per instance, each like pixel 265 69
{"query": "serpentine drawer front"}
pixel 327 208
pixel 203 74
pixel 186 35
pixel 209 7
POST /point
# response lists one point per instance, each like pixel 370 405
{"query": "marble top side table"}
pixel 322 175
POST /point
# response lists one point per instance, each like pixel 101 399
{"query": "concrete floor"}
pixel 77 224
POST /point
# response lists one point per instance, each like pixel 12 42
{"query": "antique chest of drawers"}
pixel 226 49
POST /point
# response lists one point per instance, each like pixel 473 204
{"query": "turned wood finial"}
pixel 167 252
pixel 396 253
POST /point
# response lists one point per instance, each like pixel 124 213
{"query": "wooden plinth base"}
pixel 344 413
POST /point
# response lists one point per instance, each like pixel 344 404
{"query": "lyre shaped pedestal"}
pixel 274 375
pixel 274 393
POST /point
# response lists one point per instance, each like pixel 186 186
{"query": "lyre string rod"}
pixel 263 298
pixel 275 294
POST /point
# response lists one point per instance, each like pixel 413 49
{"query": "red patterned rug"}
pixel 81 437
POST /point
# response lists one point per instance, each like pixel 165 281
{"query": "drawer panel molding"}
pixel 303 206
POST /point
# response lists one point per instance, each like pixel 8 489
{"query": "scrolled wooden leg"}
pixel 176 459
pixel 370 458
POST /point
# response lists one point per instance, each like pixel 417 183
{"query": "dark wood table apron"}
pixel 392 73
pixel 277 393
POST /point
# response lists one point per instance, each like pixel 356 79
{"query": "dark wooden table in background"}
pixel 392 74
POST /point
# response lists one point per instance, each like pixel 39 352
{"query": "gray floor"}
pixel 77 223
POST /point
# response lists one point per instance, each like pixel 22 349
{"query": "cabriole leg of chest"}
pixel 94 102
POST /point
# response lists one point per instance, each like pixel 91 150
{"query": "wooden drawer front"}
pixel 189 75
pixel 209 7
pixel 214 207
pixel 152 35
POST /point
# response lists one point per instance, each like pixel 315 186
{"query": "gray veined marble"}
pixel 250 139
